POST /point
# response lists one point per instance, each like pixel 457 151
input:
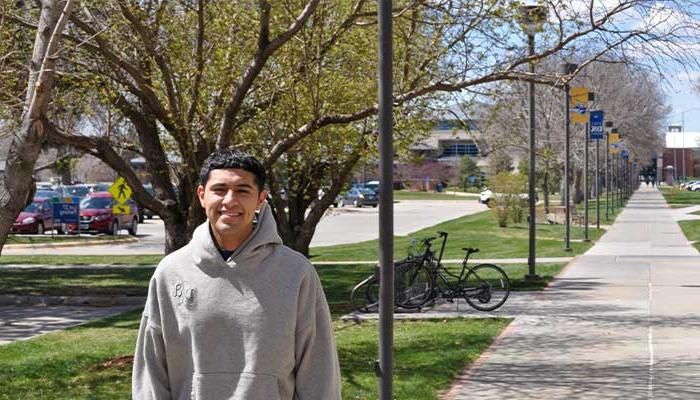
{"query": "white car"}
pixel 694 187
pixel 487 194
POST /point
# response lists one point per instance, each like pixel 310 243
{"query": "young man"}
pixel 235 314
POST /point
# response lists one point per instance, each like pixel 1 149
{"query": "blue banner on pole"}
pixel 66 213
pixel 625 154
pixel 596 125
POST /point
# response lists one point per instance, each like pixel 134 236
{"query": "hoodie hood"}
pixel 259 243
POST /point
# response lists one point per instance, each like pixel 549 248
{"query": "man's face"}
pixel 230 199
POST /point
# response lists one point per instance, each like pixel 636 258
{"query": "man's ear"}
pixel 261 198
pixel 200 194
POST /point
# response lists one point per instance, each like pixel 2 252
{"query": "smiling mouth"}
pixel 231 213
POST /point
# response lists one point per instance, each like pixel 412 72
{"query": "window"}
pixel 460 149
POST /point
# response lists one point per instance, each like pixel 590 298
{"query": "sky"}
pixel 682 98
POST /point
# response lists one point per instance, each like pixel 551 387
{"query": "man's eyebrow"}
pixel 239 185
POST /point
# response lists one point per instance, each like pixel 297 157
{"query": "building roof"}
pixel 680 140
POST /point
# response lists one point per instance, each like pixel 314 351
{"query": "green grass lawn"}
pixel 21 239
pixel 477 230
pixel 681 197
pixel 692 231
pixel 407 195
pixel 94 361
pixel 81 260
pixel 337 280
pixel 75 281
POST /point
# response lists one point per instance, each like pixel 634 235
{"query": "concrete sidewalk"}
pixel 621 322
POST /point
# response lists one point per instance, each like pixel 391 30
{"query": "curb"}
pixel 90 301
pixel 71 244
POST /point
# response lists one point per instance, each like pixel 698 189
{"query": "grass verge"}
pixel 21 239
pixel 691 229
pixel 477 230
pixel 680 197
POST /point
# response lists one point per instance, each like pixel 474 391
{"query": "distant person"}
pixel 235 314
pixel 646 180
pixel 653 181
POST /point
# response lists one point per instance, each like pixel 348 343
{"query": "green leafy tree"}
pixel 292 82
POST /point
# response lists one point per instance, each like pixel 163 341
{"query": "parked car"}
pixel 37 217
pixel 76 191
pixel 359 197
pixel 96 215
pixel 52 195
pixel 694 187
pixel 686 185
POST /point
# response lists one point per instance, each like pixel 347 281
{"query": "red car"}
pixel 96 215
pixel 36 218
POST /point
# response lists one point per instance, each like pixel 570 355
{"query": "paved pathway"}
pixel 621 322
pixel 19 323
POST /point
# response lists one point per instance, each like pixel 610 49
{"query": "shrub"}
pixel 515 205
pixel 499 209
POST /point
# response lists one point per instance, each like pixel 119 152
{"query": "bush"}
pixel 500 211
pixel 515 205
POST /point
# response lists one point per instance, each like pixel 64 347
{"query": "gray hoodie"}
pixel 255 327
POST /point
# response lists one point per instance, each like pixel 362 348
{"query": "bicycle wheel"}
pixel 413 286
pixel 487 287
pixel 360 295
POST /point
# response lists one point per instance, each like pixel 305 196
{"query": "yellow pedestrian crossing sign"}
pixel 120 190
pixel 121 209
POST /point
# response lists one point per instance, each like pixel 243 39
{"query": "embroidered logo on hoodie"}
pixel 183 294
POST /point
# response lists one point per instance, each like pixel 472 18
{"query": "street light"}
pixel 609 125
pixel 531 17
pixel 591 98
pixel 567 69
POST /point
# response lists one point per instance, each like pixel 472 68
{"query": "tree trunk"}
pixel 545 189
pixel 578 193
pixel 16 183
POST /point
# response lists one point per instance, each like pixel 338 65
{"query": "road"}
pixel 338 226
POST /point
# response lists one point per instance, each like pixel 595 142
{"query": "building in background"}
pixel 681 157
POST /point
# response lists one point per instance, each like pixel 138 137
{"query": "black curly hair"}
pixel 231 158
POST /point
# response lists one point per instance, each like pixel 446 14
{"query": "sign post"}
pixel 121 191
pixel 596 133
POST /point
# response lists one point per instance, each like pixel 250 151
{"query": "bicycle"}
pixel 410 289
pixel 485 287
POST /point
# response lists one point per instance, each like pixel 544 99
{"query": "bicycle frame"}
pixel 452 289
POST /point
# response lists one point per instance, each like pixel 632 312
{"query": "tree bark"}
pixel 578 192
pixel 17 182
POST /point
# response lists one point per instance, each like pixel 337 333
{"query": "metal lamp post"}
pixel 530 19
pixel 586 192
pixel 567 69
pixel 609 125
pixel 384 367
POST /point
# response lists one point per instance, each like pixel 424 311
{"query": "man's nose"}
pixel 230 197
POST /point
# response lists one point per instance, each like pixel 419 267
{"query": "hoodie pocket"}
pixel 235 386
